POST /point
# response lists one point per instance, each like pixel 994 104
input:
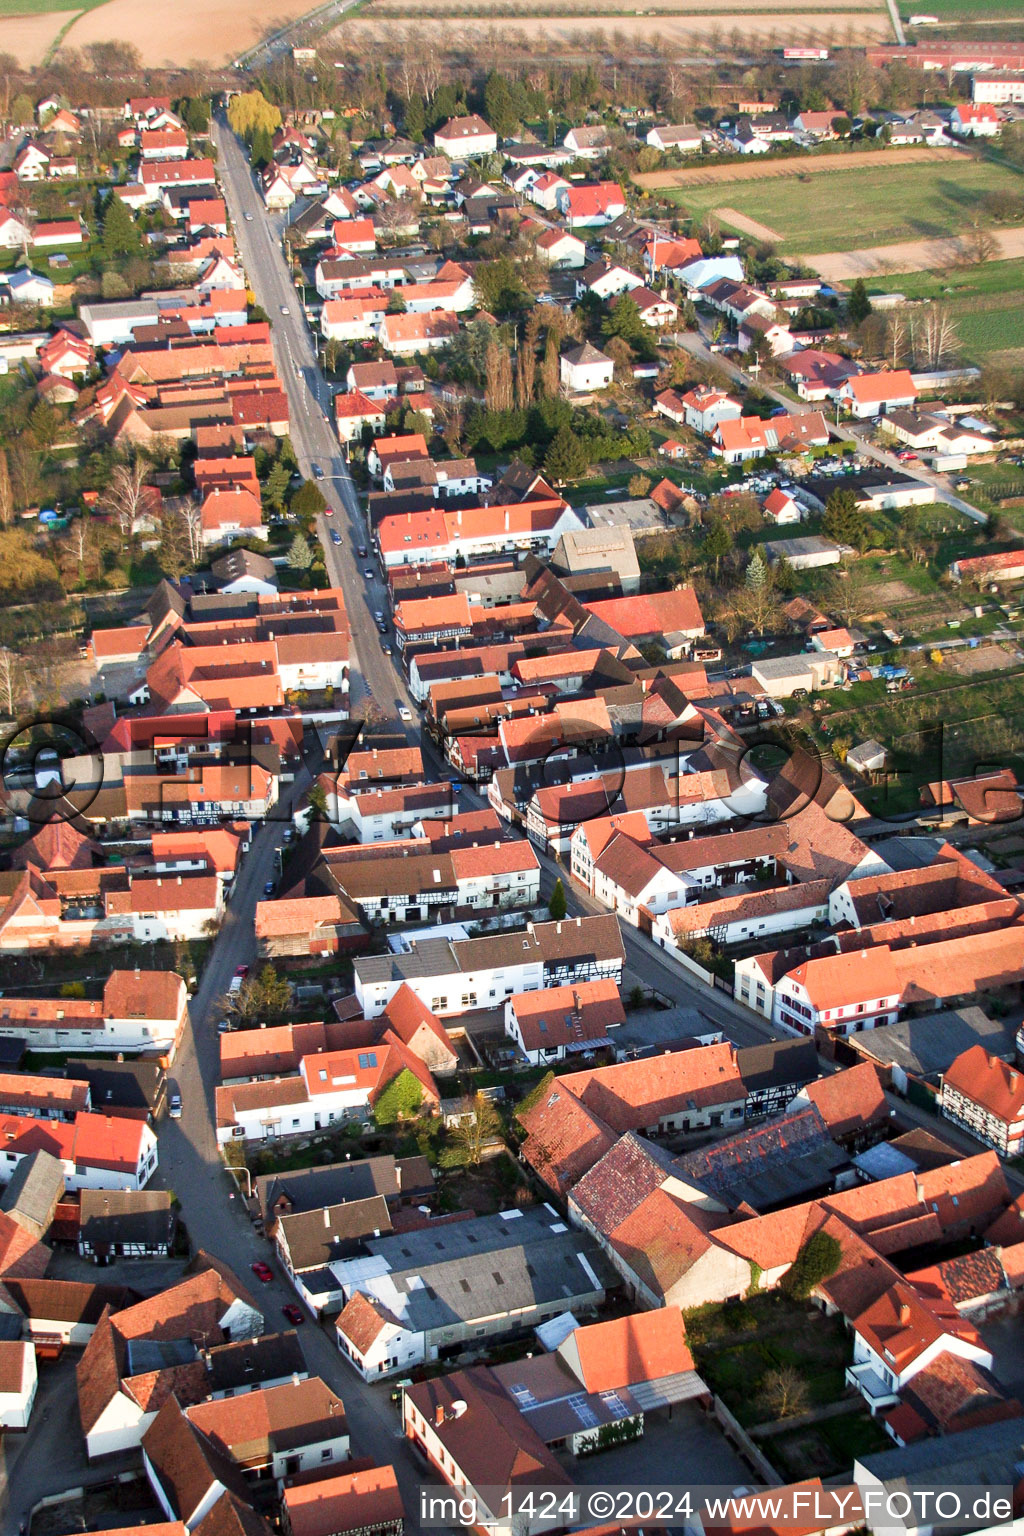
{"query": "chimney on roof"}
pixel 904 1313
pixel 438 1415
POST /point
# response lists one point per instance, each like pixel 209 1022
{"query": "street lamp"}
pixel 236 1171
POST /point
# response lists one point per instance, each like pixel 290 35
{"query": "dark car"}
pixel 294 1314
pixel 335 536
pixel 318 473
pixel 262 1271
pixel 268 888
pixel 361 551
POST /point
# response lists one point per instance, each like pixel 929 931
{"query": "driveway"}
pixel 685 1450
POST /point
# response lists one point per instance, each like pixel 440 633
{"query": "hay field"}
pixel 28 38
pixel 606 8
pixel 671 33
pixel 175 35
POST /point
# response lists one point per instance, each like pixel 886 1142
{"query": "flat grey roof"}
pixel 790 666
pixel 428 957
pixel 929 1044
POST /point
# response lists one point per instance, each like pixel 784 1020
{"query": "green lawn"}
pixel 38 7
pixel 962 10
pixel 984 301
pixel 843 210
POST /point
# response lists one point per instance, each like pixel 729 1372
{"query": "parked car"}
pixel 268 888
pixel 241 971
pixel 262 1271
pixel 174 1106
pixel 335 536
pixel 293 1313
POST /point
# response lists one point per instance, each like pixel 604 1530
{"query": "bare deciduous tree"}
pixel 895 338
pixel 934 341
pixel 6 493
pixel 783 1392
pixel 125 493
pixel 12 681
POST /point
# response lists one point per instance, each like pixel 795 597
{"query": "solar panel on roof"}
pixel 583 1411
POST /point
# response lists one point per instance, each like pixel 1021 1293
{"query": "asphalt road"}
pixel 312 433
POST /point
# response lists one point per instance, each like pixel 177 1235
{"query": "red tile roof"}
pixel 989 1082
pixel 851 1100
pixel 632 1349
pixel 352 1501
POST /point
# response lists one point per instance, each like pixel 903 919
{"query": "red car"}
pixel 242 971
pixel 262 1271
pixel 293 1313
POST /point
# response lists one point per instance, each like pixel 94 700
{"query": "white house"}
pixel 684 137
pixel 587 143
pixel 298 1426
pixel 14 235
pixel 139 1011
pixel 655 310
pixel 277 193
pixel 583 368
pixel 96 1151
pixel 871 394
pixel 900 1334
pixel 373 1340
pixel 781 507
pixel 975 120
pixel 606 280
pixel 704 408
pixel 465 136
pixel 558 248
pixel 29 288
pixel 547 189
pixel 18 1382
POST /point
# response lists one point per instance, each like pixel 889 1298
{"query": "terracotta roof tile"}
pixel 851 1100
pixel 632 1349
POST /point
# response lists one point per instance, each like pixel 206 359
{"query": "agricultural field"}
pixel 189 31
pixel 984 302
pixel 606 8
pixel 585 27
pixel 970 12
pixel 849 208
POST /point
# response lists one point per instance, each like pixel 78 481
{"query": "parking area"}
pixel 688 1449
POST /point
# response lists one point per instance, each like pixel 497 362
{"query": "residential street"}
pixel 695 343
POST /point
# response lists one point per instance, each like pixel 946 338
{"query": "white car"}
pixel 404 714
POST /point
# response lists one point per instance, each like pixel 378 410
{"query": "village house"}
pixel 465 137
pixel 392 1321
pixel 588 206
pixel 559 1021
pixel 139 1011
pixel 584 368
pixel 866 395
pixel 986 1097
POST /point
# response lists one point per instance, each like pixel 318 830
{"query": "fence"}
pixel 735 1432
